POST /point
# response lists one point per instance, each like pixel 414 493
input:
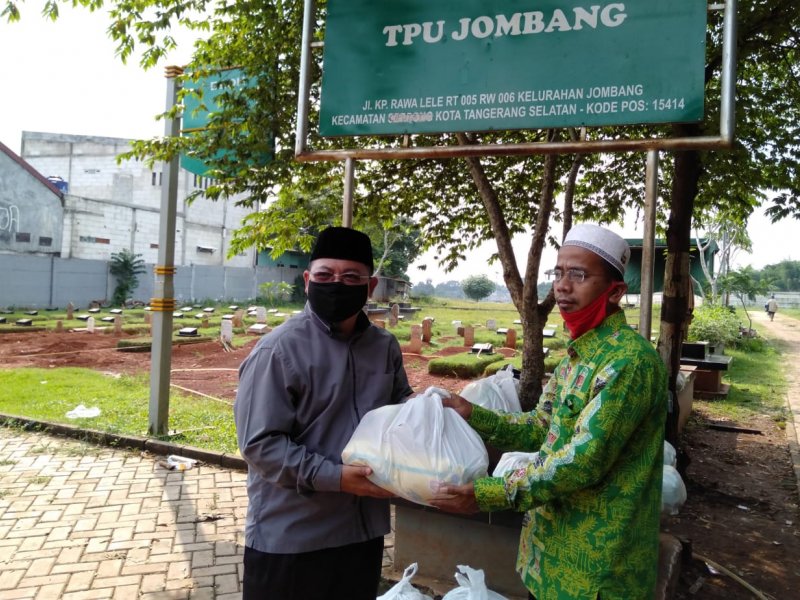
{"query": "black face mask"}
pixel 336 302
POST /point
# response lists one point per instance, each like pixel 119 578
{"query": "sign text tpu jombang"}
pixel 414 66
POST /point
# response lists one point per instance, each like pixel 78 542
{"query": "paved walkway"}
pixel 80 521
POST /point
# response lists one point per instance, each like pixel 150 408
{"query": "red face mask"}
pixel 589 317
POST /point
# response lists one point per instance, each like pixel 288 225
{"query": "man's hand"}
pixel 456 498
pixel 461 405
pixel 354 481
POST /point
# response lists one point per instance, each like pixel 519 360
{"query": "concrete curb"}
pixel 152 445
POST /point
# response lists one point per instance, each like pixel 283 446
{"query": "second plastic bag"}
pixel 471 586
pixel 496 392
pixel 414 447
pixel 403 590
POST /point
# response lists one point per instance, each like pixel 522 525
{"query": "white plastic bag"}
pixel 414 447
pixel 670 456
pixel 471 587
pixel 673 491
pixel 403 590
pixel 496 392
pixel 82 412
pixel 511 461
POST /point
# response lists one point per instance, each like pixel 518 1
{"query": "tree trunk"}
pixel 677 282
pixel 523 290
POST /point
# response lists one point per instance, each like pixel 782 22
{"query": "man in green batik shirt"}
pixel 593 490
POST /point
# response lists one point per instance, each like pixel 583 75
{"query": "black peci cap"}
pixel 345 244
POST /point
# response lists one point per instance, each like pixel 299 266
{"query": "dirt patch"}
pixel 742 508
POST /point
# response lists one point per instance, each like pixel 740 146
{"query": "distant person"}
pixel 772 307
pixel 592 493
pixel 315 527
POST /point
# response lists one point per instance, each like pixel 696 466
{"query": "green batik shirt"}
pixel 593 493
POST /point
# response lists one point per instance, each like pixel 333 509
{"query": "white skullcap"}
pixel 606 244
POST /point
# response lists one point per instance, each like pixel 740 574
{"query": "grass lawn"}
pixel 48 394
pixel 757 382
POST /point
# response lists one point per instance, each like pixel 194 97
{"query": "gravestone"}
pixel 117 325
pixel 90 324
pixel 393 316
pixel 209 309
pixel 502 330
pixel 147 318
pixel 491 324
pixel 238 318
pixel 261 315
pixel 511 338
pixel 379 323
pixel 32 313
pixel 108 319
pixel 59 326
pixel 94 310
pixel 415 346
pixel 188 332
pixel 24 322
pixel 427 330
pixel 233 307
pixel 259 328
pixel 226 331
pixel 457 324
pixel 204 323
pixel 116 311
pixel 83 317
pixel 70 311
pixel 460 330
pixel 469 336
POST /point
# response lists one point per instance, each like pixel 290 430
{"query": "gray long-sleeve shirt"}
pixel 301 394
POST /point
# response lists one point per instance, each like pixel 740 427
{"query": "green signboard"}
pixel 197 109
pixel 415 66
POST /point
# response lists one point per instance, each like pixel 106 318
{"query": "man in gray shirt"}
pixel 315 527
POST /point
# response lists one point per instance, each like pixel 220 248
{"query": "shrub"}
pixel 715 324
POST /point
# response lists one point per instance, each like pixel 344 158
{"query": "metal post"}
pixel 349 182
pixel 163 304
pixel 648 245
pixel 727 112
pixel 301 131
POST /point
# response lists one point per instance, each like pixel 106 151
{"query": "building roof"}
pixel 33 172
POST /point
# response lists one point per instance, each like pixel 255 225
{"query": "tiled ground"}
pixel 80 521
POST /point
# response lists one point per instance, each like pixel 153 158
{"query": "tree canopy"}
pixel 477 287
pixel 458 208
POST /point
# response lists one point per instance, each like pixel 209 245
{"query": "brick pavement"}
pixel 80 521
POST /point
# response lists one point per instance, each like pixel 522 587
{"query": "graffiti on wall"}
pixel 9 221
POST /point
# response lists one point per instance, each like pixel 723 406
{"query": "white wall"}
pixel 110 207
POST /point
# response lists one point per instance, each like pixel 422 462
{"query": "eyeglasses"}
pixel 573 275
pixel 345 278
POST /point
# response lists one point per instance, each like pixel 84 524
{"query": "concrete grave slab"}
pixel 188 332
pixel 482 348
pixel 259 328
pixel 24 322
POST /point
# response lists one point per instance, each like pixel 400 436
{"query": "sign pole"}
pixel 349 182
pixel 163 304
pixel 648 245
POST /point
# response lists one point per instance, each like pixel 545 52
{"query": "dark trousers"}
pixel 351 572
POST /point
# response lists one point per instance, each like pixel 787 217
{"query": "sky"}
pixel 64 77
